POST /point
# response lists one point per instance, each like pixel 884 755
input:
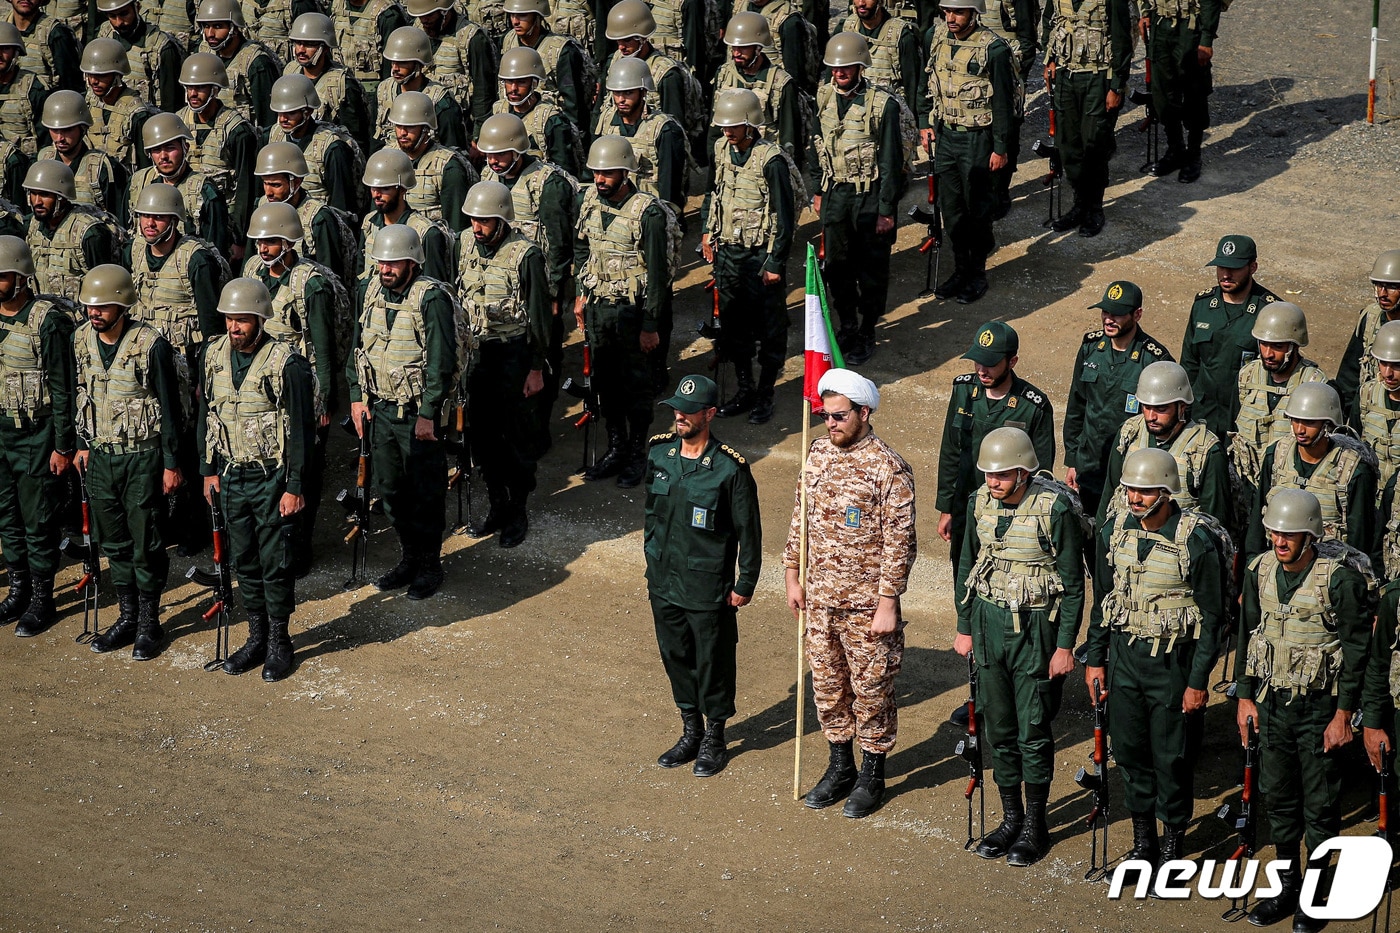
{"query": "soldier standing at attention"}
pixel 389 175
pixel 167 142
pixel 129 432
pixel 552 133
pixel 256 429
pixel 696 612
pixel 98 179
pixel 1377 416
pixel 861 547
pixel 118 112
pixel 153 56
pixel 1218 337
pixel 252 67
pixel 37 439
pixel 224 145
pixel 895 48
pixel 1304 634
pixel 339 91
pixel 972 113
pixel 1022 567
pixel 443 174
pixel 66 239
pixel 1181 34
pixel 747 36
pixel 1102 392
pixel 51 49
pixel 1358 367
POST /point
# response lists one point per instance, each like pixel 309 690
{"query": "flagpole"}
pixel 801 613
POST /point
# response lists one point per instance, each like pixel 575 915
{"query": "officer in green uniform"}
pixel 252 66
pixel 749 67
pixel 328 148
pixel 1102 392
pixel 314 56
pixel 409 353
pixel 1180 37
pixel 389 175
pixel 553 135
pixel 855 166
pixel 444 175
pixel 167 141
pixel 972 93
pixel 991 397
pixel 501 280
pixel 129 434
pixel 1357 368
pixel 1164 396
pixel 310 310
pixel 154 55
pixel 224 144
pixel 1304 636
pixel 118 111
pixel 1218 339
pixel 51 49
pixel 1088 58
pixel 624 254
pixel 97 178
pixel 1022 567
pixel 1335 467
pixel 65 238
pixel 702 523
pixel 749 218
pixel 1377 414
pixel 37 439
pixel 1160 614
pixel 256 430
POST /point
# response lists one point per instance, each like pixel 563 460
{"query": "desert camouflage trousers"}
pixel 853 675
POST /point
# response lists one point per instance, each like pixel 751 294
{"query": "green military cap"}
pixel 1120 298
pixel 695 393
pixel 995 341
pixel 1234 252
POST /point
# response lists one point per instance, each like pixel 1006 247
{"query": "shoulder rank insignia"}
pixel 738 457
pixel 1204 293
pixel 1151 346
pixel 1093 335
pixel 964 378
pixel 662 438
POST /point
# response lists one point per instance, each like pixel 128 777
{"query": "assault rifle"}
pixel 220 580
pixel 1243 819
pixel 710 330
pixel 969 749
pixel 1097 784
pixel 1149 123
pixel 90 555
pixel 460 476
pixel 932 245
pixel 357 505
pixel 585 393
pixel 1051 152
pixel 1383 830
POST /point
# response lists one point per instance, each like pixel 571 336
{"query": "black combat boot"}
pixel 516 524
pixel 762 412
pixel 1071 218
pixel 1175 156
pixel 1284 904
pixel 149 634
pixel 1013 814
pixel 1191 166
pixel 1302 923
pixel 278 663
pixel 846 335
pixel 869 791
pixel 976 285
pixel 429 578
pixel 692 725
pixel 712 756
pixel 953 284
pixel 121 632
pixel 613 459
pixel 17 600
pixel 1093 224
pixel 401 574
pixel 635 469
pixel 862 348
pixel 1145 848
pixel 1173 847
pixel 744 396
pixel 838 780
pixel 1034 841
pixel 41 614
pixel 254 650
pixel 495 516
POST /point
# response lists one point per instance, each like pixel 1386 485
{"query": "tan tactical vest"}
pixel 18 121
pixel 113 128
pixel 323 137
pixel 166 297
pixel 144 60
pixel 172 17
pixel 426 196
pixel 1189 449
pixel 573 18
pixel 290 321
pixel 1174 9
pixel 1016 571
pixel 270 24
pixel 659 65
pixel 238 96
pixel 1328 482
pixel 536 121
pixel 389 89
pixel 492 17
pixel 1295 646
pixel 357 36
pixel 490 287
pixel 527 194
pixel 615 269
pixel 38 54
pixel 1371 320
pixel 206 153
pixel 550 48
pixel 1079 39
pixel 848 147
pixel 391 359
pixel 1390 542
pixel 669 38
pixel 884 68
pixel 412 218
pixel 1380 428
pixel 644 147
pixel 332 88
pixel 741 212
pixel 24 386
pixel 451 65
pixel 1257 427
pixel 777 13
pixel 959 97
pixel 87 176
pixel 59 265
pixel 73 13
pixel 1152 598
pixel 247 424
pixel 769 92
pixel 191 189
pixel 117 404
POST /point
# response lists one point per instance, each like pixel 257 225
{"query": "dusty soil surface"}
pixel 485 760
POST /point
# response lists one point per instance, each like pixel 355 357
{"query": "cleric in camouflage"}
pixel 861 547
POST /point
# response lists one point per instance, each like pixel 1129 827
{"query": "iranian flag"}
pixel 821 350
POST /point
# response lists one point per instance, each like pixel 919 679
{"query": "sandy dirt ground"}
pixel 485 760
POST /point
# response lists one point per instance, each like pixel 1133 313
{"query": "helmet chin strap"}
pixel 320 54
pixel 1140 514
pixel 161 238
pixel 202 107
pixel 228 37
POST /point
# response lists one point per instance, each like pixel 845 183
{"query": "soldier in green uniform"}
pixel 554 137
pixel 1357 368
pixel 896 50
pixel 361 30
pixel 129 430
pixel 65 238
pixel 167 142
pixel 1335 467
pixel 389 175
pixel 684 32
pixel 624 254
pixel 1159 616
pixel 562 56
pixel 330 236
pixel 97 178
pixel 154 56
pixel 1164 398
pixel 1380 696
pixel 1022 567
pixel 342 97
pixel 1181 34
pixel 631 25
pixel 409 53
pixel 1304 635
pixel 501 280
pixel 855 167
pixel 749 218
pixel 224 143
pixel 310 309
pixel 256 430
pixel 409 353
pixel 701 512
pixel 37 439
pixel 1377 416
pixel 1088 58
pixel 252 67
pixel 1102 389
pixel 748 37
pixel 51 49
pixel 795 41
pixel 465 58
pixel 329 149
pixel 1218 339
pixel 972 111
pixel 992 396
pixel 22 95
pixel 444 175
pixel 118 112
pixel 657 138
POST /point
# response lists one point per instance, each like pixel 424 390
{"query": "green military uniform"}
pixel 1344 482
pixel 64 253
pixel 100 181
pixel 206 211
pixel 467 60
pixel 444 178
pixel 681 32
pixel 343 100
pixel 1101 398
pixel 252 70
pixel 778 92
pixel 332 176
pixel 437 242
pixel 1219 341
pixel 1180 84
pixel 788 23
pixel 224 150
pixel 1201 462
pixel 117 126
pixel 1158 620
pixel 658 140
pixel 1358 367
pixel 453 130
pixel 553 136
pixel 155 59
pixel 50 49
pixel 667 74
pixel 563 70
pixel 329 237
pixel 360 32
pixel 1380 693
pixel 896 55
pixel 21 106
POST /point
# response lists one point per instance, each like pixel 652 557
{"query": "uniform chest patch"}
pixel 699 517
pixel 1131 405
pixel 852 517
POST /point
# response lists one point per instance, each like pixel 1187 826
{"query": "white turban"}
pixel 848 382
